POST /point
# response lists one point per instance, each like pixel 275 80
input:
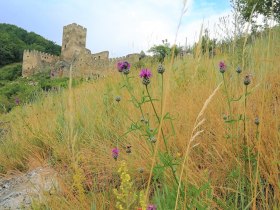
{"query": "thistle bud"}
pixel 118 98
pixel 146 81
pixel 152 139
pixel 128 149
pixel 247 80
pixel 257 121
pixel 238 70
pixel 141 170
pixel 161 69
pixel 126 71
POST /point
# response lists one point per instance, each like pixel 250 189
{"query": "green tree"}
pixel 268 8
pixel 14 40
pixel 163 50
pixel 207 44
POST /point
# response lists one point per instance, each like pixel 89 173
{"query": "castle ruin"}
pixel 73 51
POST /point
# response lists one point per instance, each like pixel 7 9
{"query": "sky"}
pixel 119 26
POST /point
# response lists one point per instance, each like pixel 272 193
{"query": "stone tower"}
pixel 73 41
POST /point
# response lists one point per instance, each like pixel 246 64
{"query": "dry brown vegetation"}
pixel 75 130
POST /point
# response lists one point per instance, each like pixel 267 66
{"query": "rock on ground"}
pixel 17 192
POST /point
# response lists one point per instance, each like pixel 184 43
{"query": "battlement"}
pixel 34 61
pixel 100 55
pixel 112 60
pixel 130 58
pixel 27 53
pixel 74 25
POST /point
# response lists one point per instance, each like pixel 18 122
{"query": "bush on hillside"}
pixel 10 72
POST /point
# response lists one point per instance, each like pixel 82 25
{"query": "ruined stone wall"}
pixel 101 55
pixel 98 64
pixel 35 62
pixel 85 64
pixel 89 65
pixel 73 41
pixel 73 50
pixel 131 58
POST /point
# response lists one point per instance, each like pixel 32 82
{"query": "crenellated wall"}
pixel 35 61
pixel 101 55
pixel 131 58
pixel 73 51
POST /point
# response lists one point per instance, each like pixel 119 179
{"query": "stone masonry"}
pixel 35 61
pixel 73 51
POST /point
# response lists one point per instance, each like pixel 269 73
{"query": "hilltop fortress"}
pixel 73 51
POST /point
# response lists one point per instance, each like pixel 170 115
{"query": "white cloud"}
pixel 216 28
pixel 123 26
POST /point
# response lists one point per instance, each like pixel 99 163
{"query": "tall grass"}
pixel 75 130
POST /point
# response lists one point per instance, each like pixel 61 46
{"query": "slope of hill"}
pixel 13 40
pixel 13 88
pixel 176 139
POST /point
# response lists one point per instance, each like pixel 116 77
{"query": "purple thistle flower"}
pixel 145 73
pixel 123 65
pixel 115 153
pixel 119 66
pixel 222 67
pixel 126 65
pixel 151 207
pixel 17 101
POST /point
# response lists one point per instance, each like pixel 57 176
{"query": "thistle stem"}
pixel 162 133
pixel 132 96
pixel 244 123
pixel 229 109
pixel 161 94
pixel 227 95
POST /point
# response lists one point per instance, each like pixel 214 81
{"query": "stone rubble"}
pixel 17 192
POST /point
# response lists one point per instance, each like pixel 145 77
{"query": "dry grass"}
pixel 81 150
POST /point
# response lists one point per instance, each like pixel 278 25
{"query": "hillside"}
pixel 203 134
pixel 15 90
pixel 13 40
